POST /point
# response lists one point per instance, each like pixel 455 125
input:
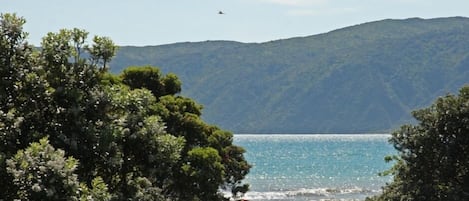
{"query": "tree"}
pixel 433 160
pixel 54 92
pixel 134 137
pixel 102 51
pixel 236 166
pixel 43 173
pixel 182 118
pixel 204 174
pixel 150 78
pixel 19 86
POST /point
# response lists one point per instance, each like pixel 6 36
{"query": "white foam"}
pixel 318 194
pixel 314 137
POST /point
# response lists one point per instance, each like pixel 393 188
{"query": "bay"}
pixel 315 167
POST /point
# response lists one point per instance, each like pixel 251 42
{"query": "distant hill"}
pixel 363 78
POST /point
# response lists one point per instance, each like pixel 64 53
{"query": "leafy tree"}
pixel 433 160
pixel 182 118
pixel 236 167
pixel 56 92
pixel 98 191
pixel 204 172
pixel 135 139
pixel 145 191
pixel 171 83
pixel 151 78
pixel 20 86
pixel 42 173
pixel 75 115
pixel 102 51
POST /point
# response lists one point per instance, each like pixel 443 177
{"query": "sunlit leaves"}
pixel 101 51
pixel 97 192
pixel 11 29
pixel 42 173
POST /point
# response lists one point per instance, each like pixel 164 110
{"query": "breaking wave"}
pixel 319 194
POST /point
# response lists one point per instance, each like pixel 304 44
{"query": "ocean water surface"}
pixel 315 167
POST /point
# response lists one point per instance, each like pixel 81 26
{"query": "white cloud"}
pixel 296 2
pixel 315 7
pixel 321 12
pixel 302 12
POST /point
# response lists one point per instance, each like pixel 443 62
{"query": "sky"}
pixel 158 22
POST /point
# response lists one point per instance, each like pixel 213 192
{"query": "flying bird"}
pixel 221 12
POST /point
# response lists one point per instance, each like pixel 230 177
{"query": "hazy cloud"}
pixel 312 7
pixel 302 12
pixel 318 12
pixel 296 2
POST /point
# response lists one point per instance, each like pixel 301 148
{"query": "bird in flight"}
pixel 221 12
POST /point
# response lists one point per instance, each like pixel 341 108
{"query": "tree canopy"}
pixel 433 160
pixel 69 130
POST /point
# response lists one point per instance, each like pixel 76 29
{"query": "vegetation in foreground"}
pixel 433 160
pixel 71 131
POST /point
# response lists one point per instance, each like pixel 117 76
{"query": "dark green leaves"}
pixel 433 162
pixel 102 50
pixel 151 78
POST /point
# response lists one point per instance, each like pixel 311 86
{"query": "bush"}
pixel 433 160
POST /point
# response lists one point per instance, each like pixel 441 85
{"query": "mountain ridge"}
pixel 304 84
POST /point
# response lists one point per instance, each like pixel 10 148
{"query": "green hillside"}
pixel 364 78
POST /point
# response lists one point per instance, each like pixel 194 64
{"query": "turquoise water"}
pixel 315 167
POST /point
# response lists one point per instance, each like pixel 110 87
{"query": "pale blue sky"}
pixel 156 22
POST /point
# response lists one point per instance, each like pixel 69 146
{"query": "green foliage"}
pixel 135 139
pixel 42 173
pixel 433 161
pixel 98 191
pixel 150 78
pixel 172 84
pixel 110 79
pixel 102 51
pixel 20 85
pixel 204 172
pixel 144 190
pixel 182 118
pixel 236 165
pixel 364 78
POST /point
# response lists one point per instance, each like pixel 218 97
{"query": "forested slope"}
pixel 363 78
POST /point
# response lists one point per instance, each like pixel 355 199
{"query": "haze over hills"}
pixel 363 78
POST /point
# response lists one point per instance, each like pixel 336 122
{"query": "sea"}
pixel 316 167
